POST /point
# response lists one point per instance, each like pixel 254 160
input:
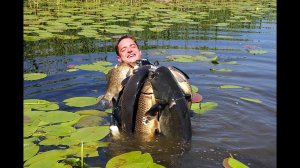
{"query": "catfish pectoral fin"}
pixel 156 107
pixel 104 104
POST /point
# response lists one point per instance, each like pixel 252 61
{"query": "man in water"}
pixel 127 50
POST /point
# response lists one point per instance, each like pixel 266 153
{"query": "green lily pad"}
pixel 89 134
pixel 221 70
pixel 108 110
pixel 194 88
pixel 88 121
pixel 58 116
pixel 30 149
pixel 54 140
pixel 207 53
pixel 39 104
pixel 91 112
pixel 34 76
pixel 101 66
pixel 230 62
pixel 230 162
pixel 40 157
pixel 51 162
pixel 251 100
pixel 201 108
pixel 132 159
pixel 230 87
pixel 30 129
pixel 257 51
pixel 215 60
pixel 221 24
pixel 80 101
pixel 59 130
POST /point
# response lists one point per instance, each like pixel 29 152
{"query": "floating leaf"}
pixel 194 88
pixel 101 66
pixel 51 162
pixel 34 76
pixel 59 130
pixel 230 62
pixel 203 107
pixel 91 112
pixel 230 162
pixel 251 100
pixel 221 24
pixel 80 101
pixel 30 149
pixel 230 87
pixel 108 110
pixel 207 53
pixel 39 104
pixel 89 134
pixel 221 70
pixel 88 121
pixel 55 154
pixel 132 159
pixel 257 51
pixel 54 140
pixel 58 116
pixel 30 129
pixel 215 60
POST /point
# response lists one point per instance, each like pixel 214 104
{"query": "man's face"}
pixel 128 51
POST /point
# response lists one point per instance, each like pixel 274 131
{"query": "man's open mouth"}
pixel 131 55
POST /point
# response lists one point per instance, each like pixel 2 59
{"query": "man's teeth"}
pixel 131 55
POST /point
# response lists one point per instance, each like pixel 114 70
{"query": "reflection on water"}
pixel 247 130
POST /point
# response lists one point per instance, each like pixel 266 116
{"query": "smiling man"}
pixel 127 50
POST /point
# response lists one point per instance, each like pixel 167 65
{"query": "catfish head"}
pixel 174 115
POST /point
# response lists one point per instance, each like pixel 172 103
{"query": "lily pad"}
pixel 88 121
pixel 59 130
pixel 132 159
pixel 230 162
pixel 91 112
pixel 40 157
pixel 257 51
pixel 194 88
pixel 55 140
pixel 80 101
pixel 30 149
pixel 220 70
pixel 201 108
pixel 230 87
pixel 39 104
pixel 89 134
pixel 251 99
pixel 58 116
pixel 34 76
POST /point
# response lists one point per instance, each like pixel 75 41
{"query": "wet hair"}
pixel 124 37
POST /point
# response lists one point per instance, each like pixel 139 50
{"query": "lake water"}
pixel 244 129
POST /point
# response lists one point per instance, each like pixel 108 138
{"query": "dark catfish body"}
pixel 129 99
pixel 174 119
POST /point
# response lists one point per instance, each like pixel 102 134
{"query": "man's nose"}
pixel 129 50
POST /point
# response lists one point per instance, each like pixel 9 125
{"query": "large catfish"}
pixel 174 117
pixel 129 99
pixel 114 84
pixel 146 126
pixel 182 80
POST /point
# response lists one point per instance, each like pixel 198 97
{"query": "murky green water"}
pixel 81 33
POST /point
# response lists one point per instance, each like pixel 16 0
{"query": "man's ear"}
pixel 119 58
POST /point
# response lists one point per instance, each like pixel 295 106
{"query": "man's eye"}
pixel 123 49
pixel 133 45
